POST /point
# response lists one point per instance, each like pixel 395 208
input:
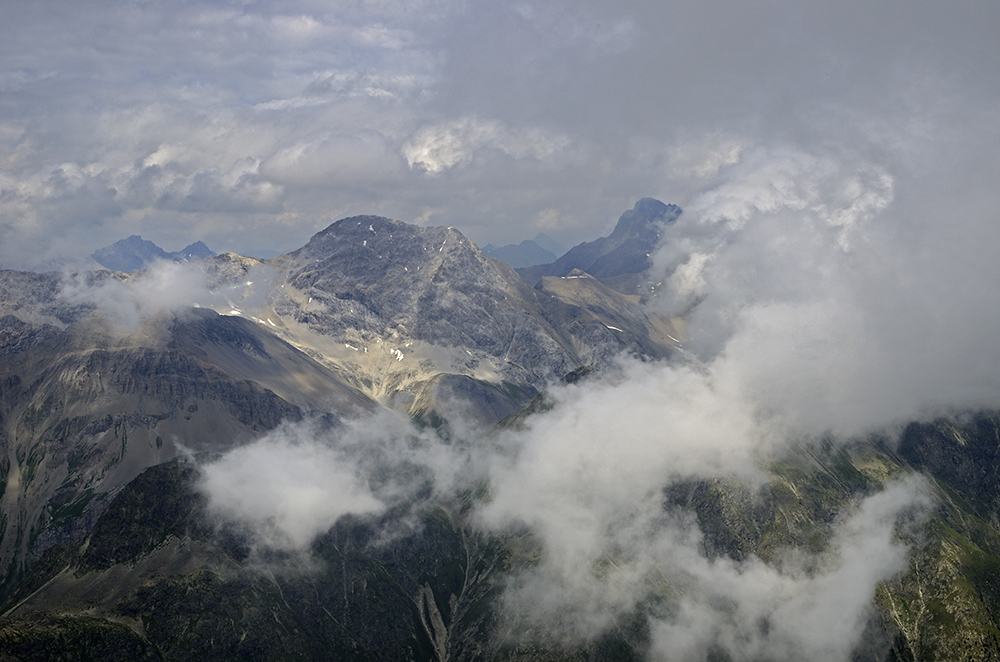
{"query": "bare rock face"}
pixel 395 304
pixel 375 277
pixel 604 322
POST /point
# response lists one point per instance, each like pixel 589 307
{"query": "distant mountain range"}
pixel 135 253
pixel 540 250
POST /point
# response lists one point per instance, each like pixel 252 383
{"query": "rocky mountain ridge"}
pixel 394 305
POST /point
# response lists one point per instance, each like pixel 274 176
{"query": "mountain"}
pixel 135 253
pixel 85 407
pixel 371 313
pixel 620 259
pixel 156 577
pixel 525 254
pixel 394 305
pixel 549 244
pixel 110 549
pixel 196 251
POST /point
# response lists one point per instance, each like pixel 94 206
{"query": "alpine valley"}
pixel 121 394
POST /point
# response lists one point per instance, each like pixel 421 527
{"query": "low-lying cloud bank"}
pixel 793 612
pixel 127 300
pixel 842 297
pixel 163 287
pixel 587 480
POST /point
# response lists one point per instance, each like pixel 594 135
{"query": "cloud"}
pixel 289 491
pixel 828 290
pixel 441 147
pixel 792 611
pixel 163 287
pixel 594 107
pixel 240 190
pixel 295 482
pixel 366 159
pixel 587 480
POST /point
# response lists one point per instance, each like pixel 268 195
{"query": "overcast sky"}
pixel 251 125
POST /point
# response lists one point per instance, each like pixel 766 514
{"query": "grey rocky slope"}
pixel 392 305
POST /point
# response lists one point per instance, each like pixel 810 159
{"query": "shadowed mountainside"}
pixel 157 577
pixel 85 409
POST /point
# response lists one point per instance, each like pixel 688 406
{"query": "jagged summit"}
pixel 645 219
pixel 372 277
pixel 373 245
pixel 619 259
pixel 397 304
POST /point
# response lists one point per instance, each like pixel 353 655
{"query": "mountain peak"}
pixel 135 253
pixel 130 254
pixel 643 216
pixel 196 251
pixel 620 259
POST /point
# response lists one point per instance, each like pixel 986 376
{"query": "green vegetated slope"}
pixel 157 579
